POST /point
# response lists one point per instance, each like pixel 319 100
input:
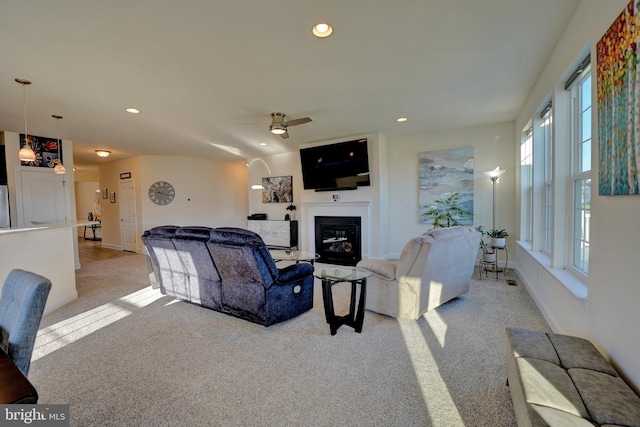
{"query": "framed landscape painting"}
pixel 442 173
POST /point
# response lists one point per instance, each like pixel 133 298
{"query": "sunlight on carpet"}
pixel 435 392
pixel 438 326
pixel 56 336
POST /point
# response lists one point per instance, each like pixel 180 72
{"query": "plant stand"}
pixel 492 266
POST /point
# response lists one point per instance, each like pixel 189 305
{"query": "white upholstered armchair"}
pixel 432 269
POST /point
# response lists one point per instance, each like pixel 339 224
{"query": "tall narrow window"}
pixel 581 173
pixel 547 133
pixel 526 190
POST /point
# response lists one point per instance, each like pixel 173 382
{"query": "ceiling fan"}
pixel 279 127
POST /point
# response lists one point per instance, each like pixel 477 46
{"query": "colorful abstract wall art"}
pixel 618 88
pixel 277 189
pixel 46 150
pixel 444 172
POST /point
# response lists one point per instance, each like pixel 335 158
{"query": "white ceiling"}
pixel 197 69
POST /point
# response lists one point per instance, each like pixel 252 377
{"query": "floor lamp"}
pixel 494 175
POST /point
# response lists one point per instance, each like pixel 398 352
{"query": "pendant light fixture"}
pixel 59 168
pixel 26 153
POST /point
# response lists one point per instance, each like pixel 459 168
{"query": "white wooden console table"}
pixel 276 233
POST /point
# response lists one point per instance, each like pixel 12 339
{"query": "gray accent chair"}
pixel 24 295
pixel 433 268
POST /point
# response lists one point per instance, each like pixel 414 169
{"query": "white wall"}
pixel 85 192
pixel 87 181
pixel 109 175
pixel 609 317
pixel 208 193
pixel 493 146
pixel 48 252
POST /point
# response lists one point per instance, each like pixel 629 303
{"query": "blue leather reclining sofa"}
pixel 228 270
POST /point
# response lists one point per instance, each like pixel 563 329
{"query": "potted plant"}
pixel 447 211
pixel 498 237
pixel 488 254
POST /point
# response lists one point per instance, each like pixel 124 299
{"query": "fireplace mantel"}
pixel 358 209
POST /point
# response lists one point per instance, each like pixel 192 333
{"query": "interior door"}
pixel 43 197
pixel 128 226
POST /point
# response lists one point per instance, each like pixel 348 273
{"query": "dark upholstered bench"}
pixel 560 380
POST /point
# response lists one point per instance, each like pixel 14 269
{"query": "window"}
pixel 547 135
pixel 526 189
pixel 555 172
pixel 581 172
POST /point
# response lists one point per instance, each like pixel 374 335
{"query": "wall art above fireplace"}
pixel 277 189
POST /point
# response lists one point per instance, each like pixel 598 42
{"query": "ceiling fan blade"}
pixel 296 122
pixel 284 135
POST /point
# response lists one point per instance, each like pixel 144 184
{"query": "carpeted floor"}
pixel 124 355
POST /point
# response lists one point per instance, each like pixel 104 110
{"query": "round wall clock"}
pixel 161 193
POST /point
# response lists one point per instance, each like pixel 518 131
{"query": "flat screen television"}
pixel 340 166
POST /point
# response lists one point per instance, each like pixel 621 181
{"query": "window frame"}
pixel 527 185
pixel 580 175
pixel 547 191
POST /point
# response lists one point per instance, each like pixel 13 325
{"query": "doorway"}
pixel 128 223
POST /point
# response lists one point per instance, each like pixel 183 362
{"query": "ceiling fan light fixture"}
pixel 322 30
pixel 103 153
pixel 278 129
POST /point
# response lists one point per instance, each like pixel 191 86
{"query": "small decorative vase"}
pixel 292 215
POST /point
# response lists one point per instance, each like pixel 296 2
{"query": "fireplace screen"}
pixel 338 240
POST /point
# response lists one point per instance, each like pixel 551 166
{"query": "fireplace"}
pixel 338 239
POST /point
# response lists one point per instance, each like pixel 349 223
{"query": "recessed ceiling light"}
pixel 322 30
pixel 263 143
pixel 401 120
pixel 133 110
